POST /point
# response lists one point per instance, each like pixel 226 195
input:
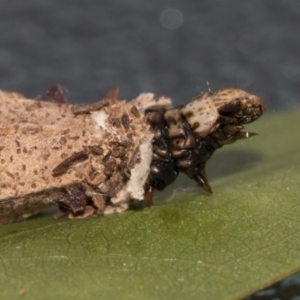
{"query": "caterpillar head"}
pixel 223 112
pixel 238 104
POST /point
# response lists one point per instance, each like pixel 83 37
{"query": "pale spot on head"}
pixel 204 113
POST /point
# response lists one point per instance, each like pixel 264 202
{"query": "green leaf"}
pixel 188 246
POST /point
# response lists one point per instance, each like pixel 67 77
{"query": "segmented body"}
pixel 171 155
pixel 187 136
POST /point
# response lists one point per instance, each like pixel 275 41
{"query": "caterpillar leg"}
pixel 201 180
pixel 149 192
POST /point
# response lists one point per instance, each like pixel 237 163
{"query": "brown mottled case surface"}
pixel 38 137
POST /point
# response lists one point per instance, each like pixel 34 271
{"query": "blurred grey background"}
pixel 169 47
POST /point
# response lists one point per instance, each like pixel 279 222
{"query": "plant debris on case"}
pixel 93 159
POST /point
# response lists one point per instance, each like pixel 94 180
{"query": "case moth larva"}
pixel 94 158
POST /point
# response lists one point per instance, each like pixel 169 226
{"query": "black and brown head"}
pixel 223 114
